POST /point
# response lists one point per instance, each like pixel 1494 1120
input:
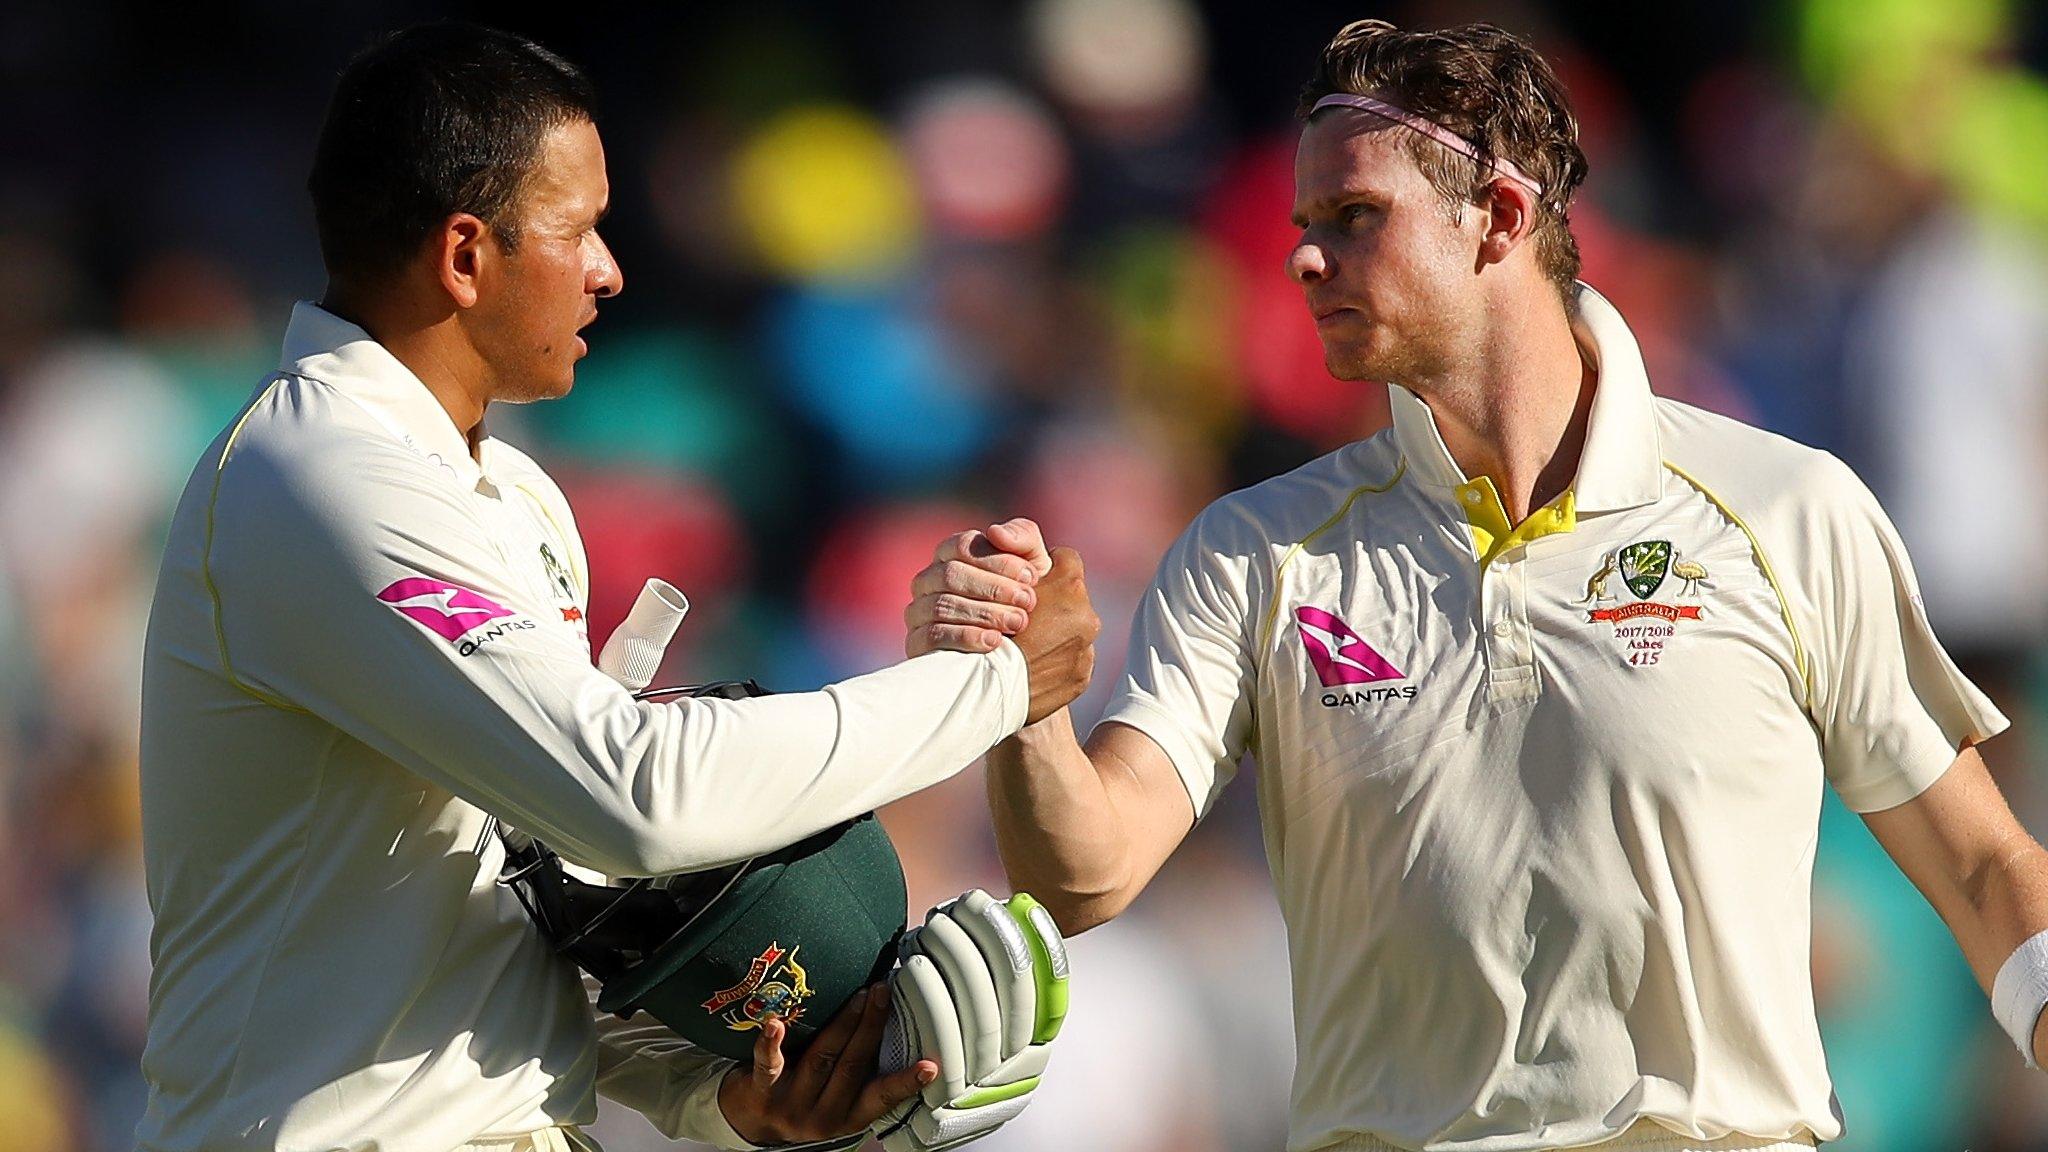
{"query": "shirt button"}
pixel 1502 629
pixel 1471 495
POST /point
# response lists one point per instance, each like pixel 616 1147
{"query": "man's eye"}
pixel 1353 213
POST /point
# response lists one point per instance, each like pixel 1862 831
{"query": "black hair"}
pixel 427 122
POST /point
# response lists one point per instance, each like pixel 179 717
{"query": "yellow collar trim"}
pixel 1492 535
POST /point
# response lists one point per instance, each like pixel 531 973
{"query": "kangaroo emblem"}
pixel 1596 588
pixel 1693 574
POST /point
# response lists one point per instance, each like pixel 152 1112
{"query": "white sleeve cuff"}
pixel 1015 677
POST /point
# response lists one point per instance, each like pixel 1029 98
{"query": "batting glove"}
pixel 982 990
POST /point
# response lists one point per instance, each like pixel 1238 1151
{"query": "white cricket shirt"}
pixel 363 642
pixel 1540 803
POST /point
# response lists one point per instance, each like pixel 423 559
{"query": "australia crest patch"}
pixel 775 984
pixel 1643 624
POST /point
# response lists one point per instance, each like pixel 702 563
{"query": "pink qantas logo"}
pixel 1338 654
pixel 448 610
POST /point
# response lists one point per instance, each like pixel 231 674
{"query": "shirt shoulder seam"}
pixel 220 632
pixel 1800 658
pixel 1280 570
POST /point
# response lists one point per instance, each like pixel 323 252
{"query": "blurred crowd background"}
pixel 898 268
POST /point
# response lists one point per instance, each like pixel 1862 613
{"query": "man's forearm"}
pixel 2008 897
pixel 1056 825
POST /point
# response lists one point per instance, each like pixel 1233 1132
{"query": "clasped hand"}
pixel 984 585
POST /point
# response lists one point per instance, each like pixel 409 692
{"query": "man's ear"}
pixel 1510 219
pixel 459 251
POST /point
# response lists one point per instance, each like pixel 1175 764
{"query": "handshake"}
pixel 955 1046
pixel 984 585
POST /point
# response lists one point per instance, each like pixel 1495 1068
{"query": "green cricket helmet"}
pixel 792 933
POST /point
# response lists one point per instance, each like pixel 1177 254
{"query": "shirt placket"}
pixel 1502 627
pixel 1504 624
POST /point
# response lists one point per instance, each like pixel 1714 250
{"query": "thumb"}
pixel 768 1056
pixel 1021 537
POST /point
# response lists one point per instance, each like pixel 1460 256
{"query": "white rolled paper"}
pixel 633 654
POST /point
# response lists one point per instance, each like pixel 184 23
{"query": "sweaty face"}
pixel 1388 276
pixel 539 294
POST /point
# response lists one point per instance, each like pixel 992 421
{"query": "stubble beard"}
pixel 1360 361
pixel 1404 359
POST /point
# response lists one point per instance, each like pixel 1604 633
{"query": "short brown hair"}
pixel 1488 86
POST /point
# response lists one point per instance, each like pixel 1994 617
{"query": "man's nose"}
pixel 1308 264
pixel 605 277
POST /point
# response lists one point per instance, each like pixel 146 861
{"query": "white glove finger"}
pixel 947 1127
pixel 1008 955
pixel 923 991
pixel 973 988
pixel 1023 1066
pixel 928 1131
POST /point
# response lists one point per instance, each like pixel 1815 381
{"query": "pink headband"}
pixel 1431 129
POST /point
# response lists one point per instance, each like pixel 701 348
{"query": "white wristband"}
pixel 2021 991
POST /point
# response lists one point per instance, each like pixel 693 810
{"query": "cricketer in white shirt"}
pixel 364 642
pixel 1541 803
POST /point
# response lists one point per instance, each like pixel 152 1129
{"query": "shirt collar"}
pixel 322 346
pixel 1622 465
